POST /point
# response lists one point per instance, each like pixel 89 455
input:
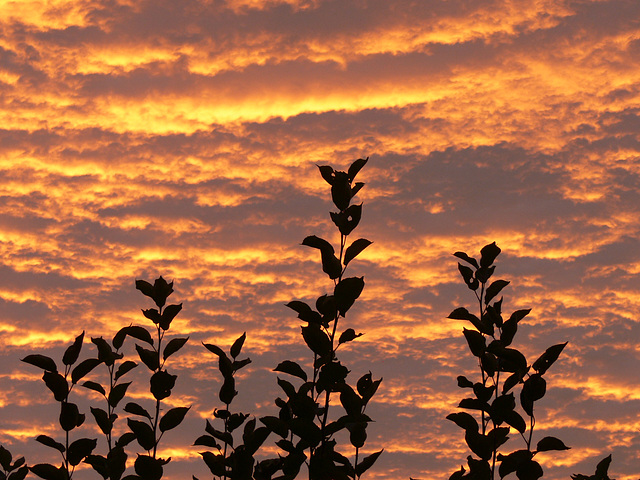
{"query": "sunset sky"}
pixel 180 138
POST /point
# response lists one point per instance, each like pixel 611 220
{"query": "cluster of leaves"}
pixel 147 432
pixel 503 370
pixel 307 431
pixel 61 385
pixel 12 470
pixel 239 463
pixel 602 471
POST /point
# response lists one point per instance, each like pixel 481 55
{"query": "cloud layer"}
pixel 180 138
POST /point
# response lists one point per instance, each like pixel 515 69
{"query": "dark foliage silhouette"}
pixel 61 386
pixel 307 431
pixel 503 370
pixel 320 407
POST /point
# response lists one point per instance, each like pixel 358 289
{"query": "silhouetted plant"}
pixel 239 463
pixel 12 470
pixel 70 417
pixel 602 471
pixel 493 397
pixel 303 421
pixel 113 465
pixel 150 430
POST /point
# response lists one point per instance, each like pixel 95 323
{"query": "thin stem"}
pixel 226 430
pixel 157 416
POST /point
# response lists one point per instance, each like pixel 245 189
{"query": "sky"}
pixel 181 137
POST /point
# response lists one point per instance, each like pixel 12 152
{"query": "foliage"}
pixel 602 471
pixel 308 433
pixel 503 370
pixel 308 418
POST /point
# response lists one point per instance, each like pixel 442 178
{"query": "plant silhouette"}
pixel 70 417
pixel 313 416
pixel 306 429
pixel 490 341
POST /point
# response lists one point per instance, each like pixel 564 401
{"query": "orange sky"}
pixel 179 138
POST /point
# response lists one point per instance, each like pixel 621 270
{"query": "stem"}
pixel 226 430
pixel 157 416
pixel 355 465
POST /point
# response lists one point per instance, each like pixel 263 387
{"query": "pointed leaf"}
pixel 551 443
pixel 117 393
pixel 173 346
pixel 292 368
pixel 542 364
pixel 348 335
pixel 173 418
pixel 95 387
pixel 80 449
pixel 346 292
pixel 84 368
pixel 356 167
pixel 489 254
pixel 236 348
pixel 73 351
pixel 367 462
pixel 124 367
pixel 136 409
pixel 467 258
pixel 41 361
pixel 148 357
pixel 494 289
pixel 102 419
pixel 57 384
pixel 49 442
pixel 355 248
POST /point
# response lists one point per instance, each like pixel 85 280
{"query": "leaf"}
pixel 355 167
pixel 102 419
pixel 143 432
pixel 292 368
pixel 467 258
pixel 348 335
pixel 173 346
pixel 327 173
pixel 493 290
pixel 464 382
pixel 80 449
pixel 551 443
pixel 207 441
pixel 215 349
pixel 468 276
pixel 347 220
pixel 542 364
pixel 49 442
pixel 84 368
pixel 139 333
pixel 148 357
pixel 276 425
pixel 355 249
pixel 105 352
pixel 330 264
pixel 489 254
pixel 228 390
pixel 168 315
pixel 148 468
pixel 57 384
pixel 173 418
pixel 161 384
pixel 346 292
pixel 70 417
pixel 73 351
pixel 5 458
pixel 236 348
pixel 510 463
pixel 19 474
pixel 48 472
pixel 462 313
pixel 117 393
pixel 367 462
pixel 316 340
pixel 341 190
pixel 136 409
pixel 530 470
pixel 124 367
pixel 41 361
pixel 464 420
pixel 476 341
pixel 305 312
